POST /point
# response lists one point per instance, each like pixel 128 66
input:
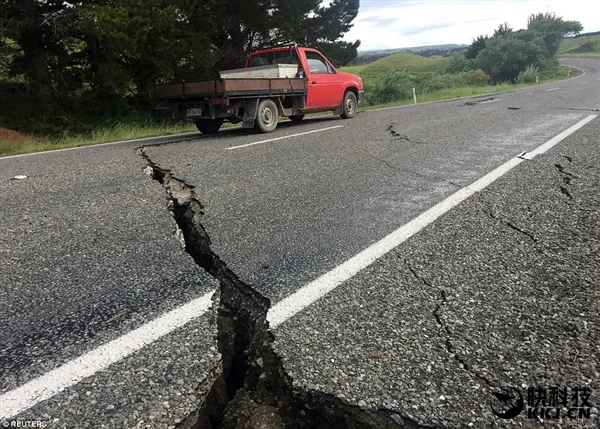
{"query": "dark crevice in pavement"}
pixel 575 108
pixel 397 136
pixel 566 192
pixel 512 226
pixel 567 178
pixel 522 231
pixel 437 314
pixel 473 103
pixel 251 388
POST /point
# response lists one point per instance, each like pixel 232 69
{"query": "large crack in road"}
pixel 250 388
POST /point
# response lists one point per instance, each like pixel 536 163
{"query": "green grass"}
pixel 466 91
pixel 568 45
pixel 118 132
pixel 413 64
pixel 353 69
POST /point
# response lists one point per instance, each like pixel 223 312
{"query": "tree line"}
pixel 99 58
pixel 507 55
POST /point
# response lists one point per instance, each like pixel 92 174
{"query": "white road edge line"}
pixel 282 137
pixel 58 379
pixel 490 101
pixel 47 385
pixel 552 89
pixel 314 290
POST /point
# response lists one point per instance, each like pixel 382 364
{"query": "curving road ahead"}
pixel 105 318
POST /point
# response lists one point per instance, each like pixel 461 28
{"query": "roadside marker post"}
pixel 415 96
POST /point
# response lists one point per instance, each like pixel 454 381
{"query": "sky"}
pixel 387 24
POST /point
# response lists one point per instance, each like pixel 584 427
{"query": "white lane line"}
pixel 489 101
pixel 556 139
pixel 582 83
pixel 56 380
pixel 283 137
pixel 316 289
pixel 552 89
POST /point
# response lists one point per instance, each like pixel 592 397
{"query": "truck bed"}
pixel 230 88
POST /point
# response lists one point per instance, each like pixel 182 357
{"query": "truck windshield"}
pixel 286 56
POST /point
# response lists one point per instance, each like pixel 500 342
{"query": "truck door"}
pixel 324 84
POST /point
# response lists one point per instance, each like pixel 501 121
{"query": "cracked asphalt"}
pixel 502 290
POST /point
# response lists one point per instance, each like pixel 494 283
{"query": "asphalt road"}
pixel 90 253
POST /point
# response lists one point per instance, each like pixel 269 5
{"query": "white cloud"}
pixel 383 24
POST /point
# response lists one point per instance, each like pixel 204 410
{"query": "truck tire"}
pixel 209 126
pixel 296 118
pixel 349 105
pixel 267 116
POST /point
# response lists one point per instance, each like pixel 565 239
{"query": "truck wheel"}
pixel 209 126
pixel 267 116
pixel 349 105
pixel 296 118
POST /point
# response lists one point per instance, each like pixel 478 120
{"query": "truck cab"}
pixel 326 86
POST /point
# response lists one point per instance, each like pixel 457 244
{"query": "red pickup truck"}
pixel 255 98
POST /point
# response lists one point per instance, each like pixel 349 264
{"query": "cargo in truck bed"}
pixel 271 71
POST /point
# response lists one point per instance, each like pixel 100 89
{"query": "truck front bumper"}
pixel 361 96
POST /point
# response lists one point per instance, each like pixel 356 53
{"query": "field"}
pixel 412 63
pixel 574 46
pixel 354 69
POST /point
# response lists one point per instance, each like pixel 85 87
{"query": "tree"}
pixel 505 57
pixel 39 29
pixel 96 57
pixel 553 29
pixel 476 47
pixel 502 30
pixel 459 63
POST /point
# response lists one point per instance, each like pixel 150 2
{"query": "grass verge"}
pixel 14 143
pixel 467 91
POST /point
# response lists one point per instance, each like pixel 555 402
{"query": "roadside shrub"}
pixel 429 82
pixel 477 78
pixel 459 63
pixel 587 46
pixel 393 86
pixel 528 75
pixel 548 68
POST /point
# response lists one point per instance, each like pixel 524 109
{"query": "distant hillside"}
pixel 366 57
pixel 410 49
pixel 412 63
pixel 589 45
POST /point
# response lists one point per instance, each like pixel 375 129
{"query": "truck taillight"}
pixel 220 101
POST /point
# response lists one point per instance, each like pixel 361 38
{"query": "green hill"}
pixel 589 45
pixel 414 64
